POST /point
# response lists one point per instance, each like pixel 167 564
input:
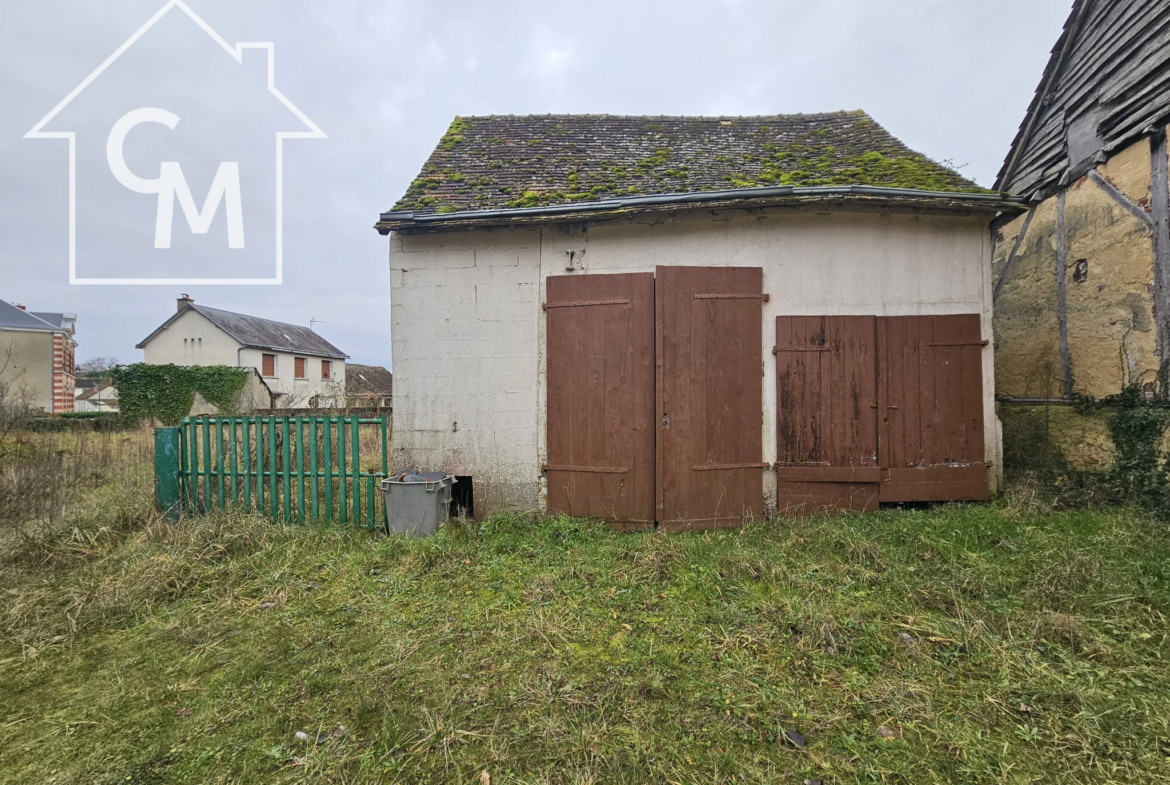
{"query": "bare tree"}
pixel 97 366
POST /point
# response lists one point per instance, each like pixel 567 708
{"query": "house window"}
pixel 326 369
pixel 301 366
pixel 269 365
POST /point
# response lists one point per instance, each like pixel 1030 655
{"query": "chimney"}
pixel 21 307
pixel 183 301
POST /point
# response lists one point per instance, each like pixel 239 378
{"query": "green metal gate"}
pixel 304 468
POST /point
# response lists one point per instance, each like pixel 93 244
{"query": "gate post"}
pixel 166 471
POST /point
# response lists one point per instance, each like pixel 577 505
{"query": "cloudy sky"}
pixel 383 79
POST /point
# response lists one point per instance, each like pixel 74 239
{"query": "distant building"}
pixel 36 356
pixel 95 395
pixel 299 367
pixel 368 386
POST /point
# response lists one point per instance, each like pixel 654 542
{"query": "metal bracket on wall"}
pixel 591 469
pixel 763 297
pixel 583 303
pixel 712 467
pixel 779 349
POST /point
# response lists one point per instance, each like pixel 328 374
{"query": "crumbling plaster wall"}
pixel 468 329
pixel 1109 271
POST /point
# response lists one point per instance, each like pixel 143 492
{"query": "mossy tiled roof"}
pixel 487 163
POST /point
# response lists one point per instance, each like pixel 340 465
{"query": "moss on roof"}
pixel 494 162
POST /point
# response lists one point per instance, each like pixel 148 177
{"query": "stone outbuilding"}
pixel 693 321
pixel 1082 279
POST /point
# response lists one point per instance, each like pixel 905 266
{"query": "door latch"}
pixel 666 422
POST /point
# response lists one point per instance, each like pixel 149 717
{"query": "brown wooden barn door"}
pixel 931 404
pixel 710 396
pixel 601 419
pixel 826 399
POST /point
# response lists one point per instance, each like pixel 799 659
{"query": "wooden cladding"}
pixel 655 397
pixel 710 396
pixel 873 409
pixel 827 413
pixel 655 403
pixel 600 339
pixel 931 380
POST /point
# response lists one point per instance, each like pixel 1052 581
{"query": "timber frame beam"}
pixel 1160 207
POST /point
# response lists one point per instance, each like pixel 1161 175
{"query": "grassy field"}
pixel 1002 643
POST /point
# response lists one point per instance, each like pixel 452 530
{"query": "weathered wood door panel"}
pixel 931 404
pixel 826 399
pixel 601 419
pixel 710 396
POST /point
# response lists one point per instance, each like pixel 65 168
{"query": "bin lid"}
pixel 428 477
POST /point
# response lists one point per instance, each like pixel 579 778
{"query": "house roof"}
pixel 1106 84
pixel 510 162
pixel 17 318
pixel 90 392
pixel 256 333
pixel 61 321
pixel 368 380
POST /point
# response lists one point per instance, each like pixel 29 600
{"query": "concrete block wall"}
pixel 464 312
pixel 468 330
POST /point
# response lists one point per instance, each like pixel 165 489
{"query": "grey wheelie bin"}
pixel 417 502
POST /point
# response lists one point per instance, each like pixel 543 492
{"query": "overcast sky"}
pixel 383 79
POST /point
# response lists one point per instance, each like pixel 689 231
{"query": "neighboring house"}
pixel 95 394
pixel 1082 280
pixel 368 386
pixel 299 367
pixel 692 321
pixel 36 356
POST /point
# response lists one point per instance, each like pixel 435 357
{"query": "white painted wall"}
pixel 26 366
pixel 104 400
pixel 192 339
pixel 297 393
pixel 468 329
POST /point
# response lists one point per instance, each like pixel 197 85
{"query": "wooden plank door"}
pixel 826 401
pixel 600 416
pixel 710 396
pixel 931 403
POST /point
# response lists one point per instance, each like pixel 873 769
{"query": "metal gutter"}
pixel 699 196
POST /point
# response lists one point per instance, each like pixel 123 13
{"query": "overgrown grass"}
pixel 998 643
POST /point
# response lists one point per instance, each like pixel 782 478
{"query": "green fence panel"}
pixel 300 470
pixel 327 448
pixel 260 458
pixel 167 470
pixel 342 510
pixel 247 466
pixel 313 466
pixel 300 465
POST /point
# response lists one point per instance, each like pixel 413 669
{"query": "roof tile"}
pixel 494 162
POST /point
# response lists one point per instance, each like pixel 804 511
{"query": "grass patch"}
pixel 956 644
